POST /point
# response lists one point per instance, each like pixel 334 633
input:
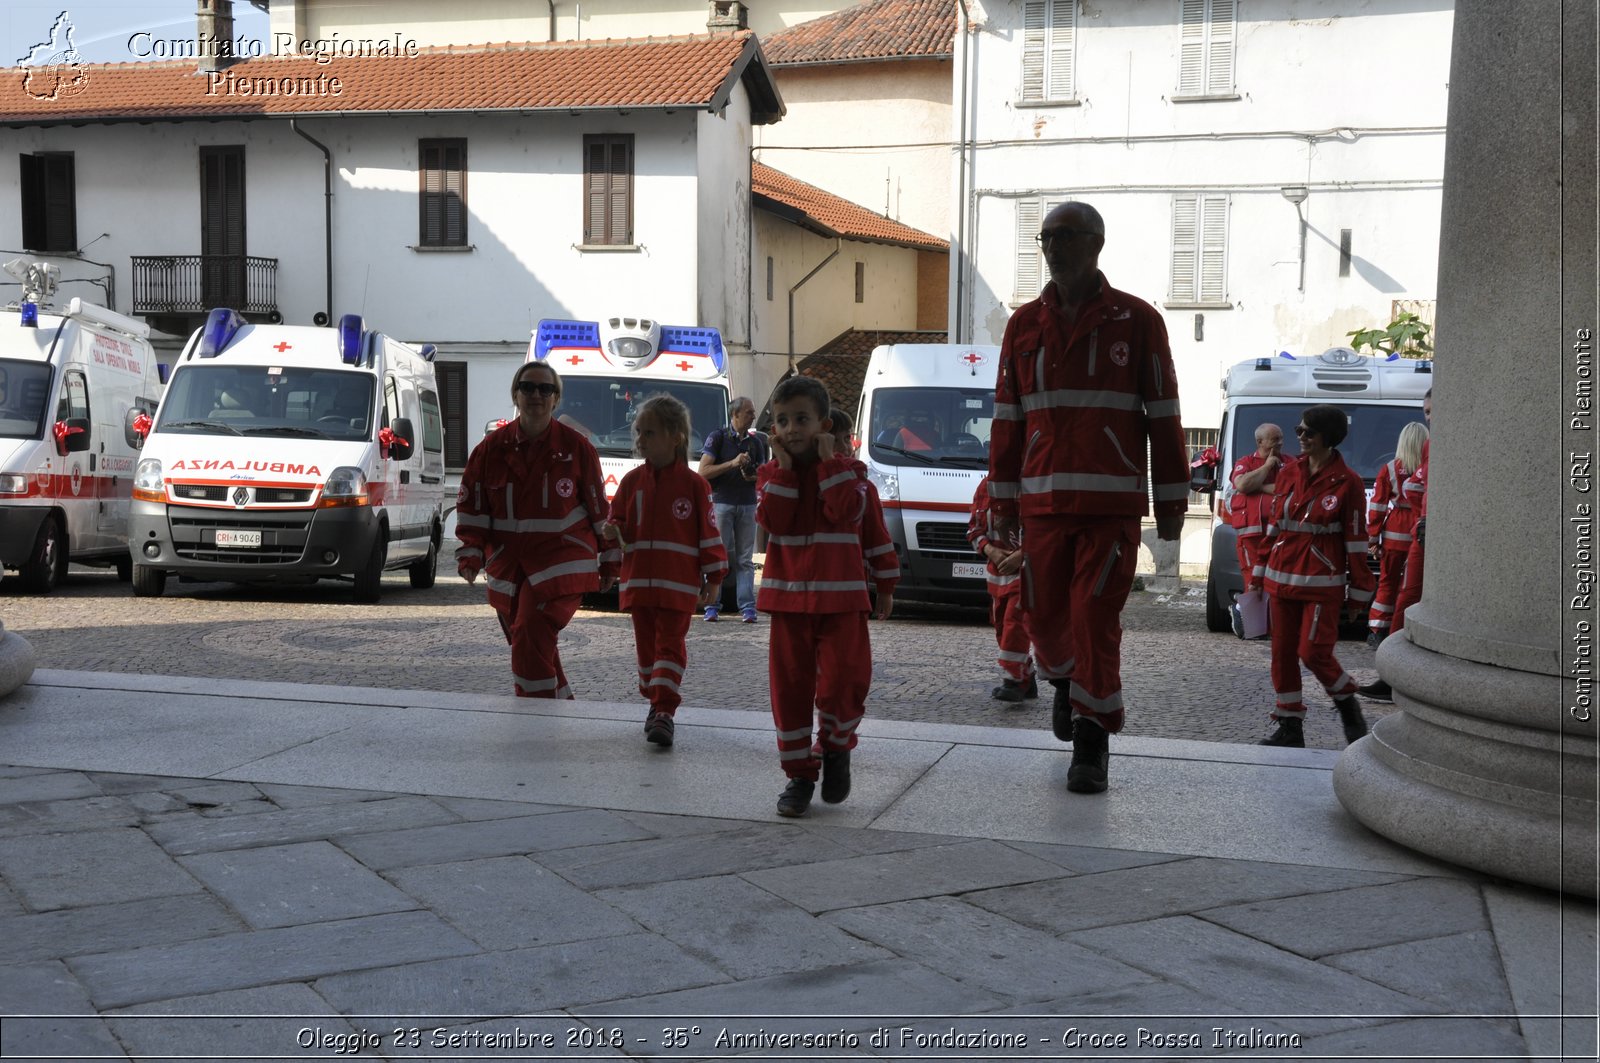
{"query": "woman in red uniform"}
pixel 529 514
pixel 1390 520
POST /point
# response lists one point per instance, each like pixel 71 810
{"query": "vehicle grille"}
pixel 945 541
pixel 283 536
pixel 276 496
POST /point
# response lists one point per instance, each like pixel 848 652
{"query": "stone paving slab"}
pixel 113 927
pixel 84 813
pixel 1548 951
pixel 198 834
pixel 1459 972
pixel 52 871
pixel 1088 860
pixel 1433 1038
pixel 47 786
pixel 474 808
pixel 753 847
pixel 289 885
pixel 236 1023
pixel 301 796
pixel 48 988
pixel 474 840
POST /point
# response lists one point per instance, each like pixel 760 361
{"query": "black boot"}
pixel 1377 690
pixel 796 797
pixel 1033 688
pixel 1091 756
pixel 1355 725
pixel 835 776
pixel 1061 711
pixel 1008 690
pixel 1290 732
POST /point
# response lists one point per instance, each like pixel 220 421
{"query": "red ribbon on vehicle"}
pixel 1208 456
pixel 386 438
pixel 142 423
pixel 62 431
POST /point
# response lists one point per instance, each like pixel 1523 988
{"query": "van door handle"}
pixel 432 479
pixel 405 476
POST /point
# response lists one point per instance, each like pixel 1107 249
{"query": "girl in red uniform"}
pixel 1390 520
pixel 1005 602
pixel 529 513
pixel 673 559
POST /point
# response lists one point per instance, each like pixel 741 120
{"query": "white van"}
pixel 290 453
pixel 71 385
pixel 1380 396
pixel 609 367
pixel 923 423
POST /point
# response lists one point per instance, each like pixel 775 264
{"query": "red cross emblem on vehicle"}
pixel 685 366
pixel 281 346
pixel 971 359
pixel 575 359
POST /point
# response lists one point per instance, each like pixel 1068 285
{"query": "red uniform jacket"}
pixel 1416 486
pixel 1249 513
pixel 1073 412
pixel 1319 541
pixel 670 533
pixel 815 515
pixel 529 512
pixel 1390 514
pixel 980 533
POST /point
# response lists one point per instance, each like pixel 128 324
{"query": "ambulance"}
pixel 1381 396
pixel 608 368
pixel 72 385
pixel 923 422
pixel 289 454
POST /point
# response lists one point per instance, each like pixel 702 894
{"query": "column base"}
pixel 1482 767
pixel 16 661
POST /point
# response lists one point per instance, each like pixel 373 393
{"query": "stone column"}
pixel 16 661
pixel 1491 761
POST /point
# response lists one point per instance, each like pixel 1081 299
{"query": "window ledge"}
pixel 1206 98
pixel 1074 102
pixel 433 249
pixel 609 248
pixel 1196 306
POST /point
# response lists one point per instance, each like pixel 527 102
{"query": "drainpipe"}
pixel 837 247
pixel 552 4
pixel 964 30
pixel 327 212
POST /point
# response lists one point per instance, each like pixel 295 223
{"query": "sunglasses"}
pixel 1302 430
pixel 535 387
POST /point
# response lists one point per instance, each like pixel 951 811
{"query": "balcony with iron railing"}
pixel 190 286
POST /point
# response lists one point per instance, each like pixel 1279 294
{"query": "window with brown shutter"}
pixel 608 189
pixel 442 182
pixel 452 380
pixel 49 202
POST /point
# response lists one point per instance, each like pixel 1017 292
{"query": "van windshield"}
pixel 603 409
pixel 258 400
pixel 931 426
pixel 1374 431
pixel 24 393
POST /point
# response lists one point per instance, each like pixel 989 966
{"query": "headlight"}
pixel 346 486
pixel 13 483
pixel 887 483
pixel 147 481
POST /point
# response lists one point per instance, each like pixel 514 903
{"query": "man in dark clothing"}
pixel 732 455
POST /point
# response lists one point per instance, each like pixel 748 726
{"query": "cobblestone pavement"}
pixel 931 663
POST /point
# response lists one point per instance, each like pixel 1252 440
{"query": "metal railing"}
pixel 196 284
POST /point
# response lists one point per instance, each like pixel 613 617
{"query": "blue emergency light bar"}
pixel 428 351
pixel 221 326
pixel 352 331
pixel 555 333
pixel 30 315
pixel 705 342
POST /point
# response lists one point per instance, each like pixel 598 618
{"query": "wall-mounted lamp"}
pixel 1297 194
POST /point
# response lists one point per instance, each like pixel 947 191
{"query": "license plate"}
pixel 964 570
pixel 238 538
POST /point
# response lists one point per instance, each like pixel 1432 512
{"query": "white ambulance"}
pixel 1380 396
pixel 609 367
pixel 288 453
pixel 923 423
pixel 71 385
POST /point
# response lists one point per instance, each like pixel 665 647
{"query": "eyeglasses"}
pixel 532 387
pixel 1061 235
pixel 1302 430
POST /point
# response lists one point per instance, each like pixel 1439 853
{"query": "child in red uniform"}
pixel 812 503
pixel 672 554
pixel 1005 603
pixel 1390 521
pixel 877 549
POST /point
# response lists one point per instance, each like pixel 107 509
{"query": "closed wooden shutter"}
pixel 49 202
pixel 1185 234
pixel 442 176
pixel 1213 249
pixel 1199 248
pixel 608 189
pixel 1219 48
pixel 452 380
pixel 1049 41
pixel 222 226
pixel 1205 47
pixel 1192 48
pixel 1028 254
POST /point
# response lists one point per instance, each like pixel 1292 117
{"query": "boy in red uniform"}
pixel 812 503
pixel 1005 602
pixel 672 555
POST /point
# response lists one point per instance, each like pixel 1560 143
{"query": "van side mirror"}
pixel 137 427
pixel 400 439
pixel 72 435
pixel 1203 479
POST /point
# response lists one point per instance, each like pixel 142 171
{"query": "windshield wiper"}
pixel 907 453
pixel 215 425
pixel 285 430
pixel 965 462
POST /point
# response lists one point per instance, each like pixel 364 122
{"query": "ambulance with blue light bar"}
pixel 289 454
pixel 924 420
pixel 72 384
pixel 608 368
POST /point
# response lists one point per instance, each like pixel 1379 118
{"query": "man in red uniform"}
pixel 1253 478
pixel 1086 383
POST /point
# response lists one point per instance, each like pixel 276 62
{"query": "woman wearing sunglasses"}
pixel 1316 569
pixel 530 512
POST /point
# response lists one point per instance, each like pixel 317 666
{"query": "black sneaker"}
pixel 658 729
pixel 1061 713
pixel 1375 638
pixel 1237 620
pixel 796 797
pixel 1355 725
pixel 835 776
pixel 1377 690
pixel 1009 690
pixel 1290 732
pixel 1091 756
pixel 1032 691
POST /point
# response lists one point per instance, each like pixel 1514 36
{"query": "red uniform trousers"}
pixel 1076 581
pixel 658 641
pixel 532 629
pixel 1011 631
pixel 1410 587
pixel 821 659
pixel 1305 630
pixel 1252 550
pixel 1391 574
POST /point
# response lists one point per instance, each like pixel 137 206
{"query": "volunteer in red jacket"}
pixel 1003 573
pixel 1253 479
pixel 1316 567
pixel 1391 519
pixel 1415 491
pixel 529 514
pixel 673 558
pixel 1086 383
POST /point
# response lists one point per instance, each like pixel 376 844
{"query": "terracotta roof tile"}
pixel 835 216
pixel 876 29
pixel 841 363
pixel 695 72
